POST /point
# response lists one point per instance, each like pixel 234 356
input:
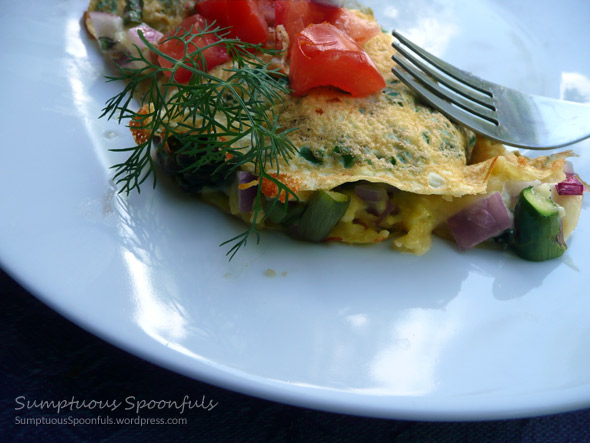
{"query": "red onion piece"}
pixel 150 34
pixel 570 186
pixel 247 195
pixel 390 209
pixel 370 193
pixel 486 218
pixel 106 25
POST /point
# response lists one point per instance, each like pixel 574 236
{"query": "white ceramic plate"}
pixel 450 335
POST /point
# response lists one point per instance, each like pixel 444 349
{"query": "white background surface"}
pixel 368 331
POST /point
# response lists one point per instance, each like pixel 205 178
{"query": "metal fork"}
pixel 496 112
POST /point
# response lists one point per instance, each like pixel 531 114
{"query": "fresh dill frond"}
pixel 212 119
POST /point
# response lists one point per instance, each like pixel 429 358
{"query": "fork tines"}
pixel 443 85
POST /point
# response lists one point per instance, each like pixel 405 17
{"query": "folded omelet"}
pixel 424 167
pixel 386 138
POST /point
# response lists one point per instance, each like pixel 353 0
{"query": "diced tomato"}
pixel 358 28
pixel 245 18
pixel 295 15
pixel 212 10
pixel 215 55
pixel 323 55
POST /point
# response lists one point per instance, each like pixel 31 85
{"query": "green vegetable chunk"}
pixel 538 225
pixel 324 210
pixel 282 213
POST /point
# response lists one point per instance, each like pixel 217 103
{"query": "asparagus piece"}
pixel 538 225
pixel 323 212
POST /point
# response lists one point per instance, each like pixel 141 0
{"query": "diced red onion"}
pixel 390 209
pixel 484 219
pixel 106 25
pixel 150 34
pixel 370 193
pixel 570 186
pixel 246 196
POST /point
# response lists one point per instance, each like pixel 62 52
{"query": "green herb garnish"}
pixel 214 119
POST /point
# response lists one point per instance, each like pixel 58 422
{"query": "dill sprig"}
pixel 212 118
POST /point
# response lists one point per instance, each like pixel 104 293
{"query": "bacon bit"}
pixel 139 134
pixel 334 100
pixel 319 111
pixel 270 189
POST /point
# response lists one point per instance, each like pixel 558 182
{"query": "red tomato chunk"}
pixel 359 29
pixel 244 18
pixel 174 48
pixel 323 55
pixel 296 15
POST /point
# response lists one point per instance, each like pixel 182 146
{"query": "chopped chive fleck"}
pixel 106 43
pixel 404 157
pixel 391 93
pixel 132 14
pixel 107 6
pixel 310 156
pixel 347 160
pixel 346 157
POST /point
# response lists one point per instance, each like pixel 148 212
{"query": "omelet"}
pixel 402 168
pixel 388 138
pixel 162 15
